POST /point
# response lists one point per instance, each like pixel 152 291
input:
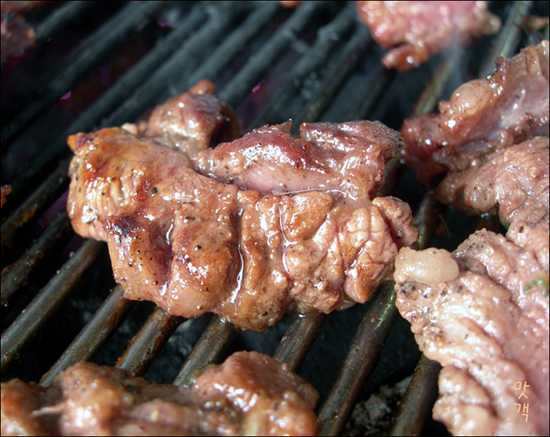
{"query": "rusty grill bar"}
pixel 320 75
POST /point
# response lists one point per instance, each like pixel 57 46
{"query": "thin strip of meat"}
pixel 485 319
pixel 416 30
pixel 249 394
pixel 345 160
pixel 482 116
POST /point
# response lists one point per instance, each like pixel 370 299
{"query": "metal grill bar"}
pixel 341 68
pixel 58 19
pixel 149 341
pixel 417 403
pixel 298 339
pixel 94 335
pixel 241 85
pixel 54 85
pixel 46 303
pixel 508 39
pixel 377 82
pixel 121 90
pixel 15 274
pixel 48 191
pixel 210 349
pixel 181 63
pixel 231 46
pixel 327 38
pixel 360 361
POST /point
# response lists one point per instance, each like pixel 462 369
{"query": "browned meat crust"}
pixel 192 121
pixel 487 324
pixel 194 245
pixel 420 29
pixel 482 116
pixel 249 394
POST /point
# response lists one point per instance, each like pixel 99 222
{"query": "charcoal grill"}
pixel 104 64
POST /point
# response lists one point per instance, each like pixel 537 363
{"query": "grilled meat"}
pixel 249 394
pixel 482 312
pixel 482 116
pixel 513 183
pixel 420 29
pixel 345 160
pixel 486 322
pixel 194 245
pixel 192 121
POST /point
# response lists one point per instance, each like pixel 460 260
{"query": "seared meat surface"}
pixel 346 159
pixel 193 245
pixel 486 322
pixel 513 183
pixel 482 116
pixel 416 30
pixel 249 394
pixel 192 121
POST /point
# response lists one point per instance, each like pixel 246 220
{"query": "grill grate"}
pixel 248 46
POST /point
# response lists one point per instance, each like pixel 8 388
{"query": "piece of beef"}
pixel 192 121
pixel 510 182
pixel 249 394
pixel 482 116
pixel 416 30
pixel 345 159
pixel 485 318
pixel 193 245
pixel 513 183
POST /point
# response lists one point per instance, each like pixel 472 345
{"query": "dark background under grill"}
pixel 99 64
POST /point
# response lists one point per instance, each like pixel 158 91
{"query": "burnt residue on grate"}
pixel 313 63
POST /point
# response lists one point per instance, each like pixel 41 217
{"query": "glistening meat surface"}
pixel 485 319
pixel 512 183
pixel 194 245
pixel 346 160
pixel 482 116
pixel 249 394
pixel 416 30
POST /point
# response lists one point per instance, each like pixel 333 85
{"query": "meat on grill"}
pixel 194 245
pixel 191 121
pixel 416 30
pixel 485 319
pixel 513 183
pixel 345 160
pixel 249 394
pixel 482 116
